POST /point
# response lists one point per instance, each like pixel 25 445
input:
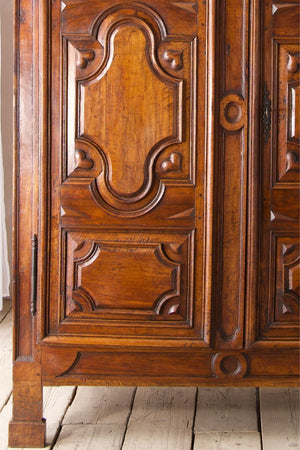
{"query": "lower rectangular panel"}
pixel 190 367
pixel 126 284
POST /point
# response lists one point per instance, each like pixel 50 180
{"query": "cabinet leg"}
pixel 27 427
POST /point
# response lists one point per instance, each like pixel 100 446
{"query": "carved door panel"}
pixel 279 260
pixel 124 201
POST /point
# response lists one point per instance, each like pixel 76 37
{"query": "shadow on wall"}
pixel 6 16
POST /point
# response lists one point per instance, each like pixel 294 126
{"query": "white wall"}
pixel 6 14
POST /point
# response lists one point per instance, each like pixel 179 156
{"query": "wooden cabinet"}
pixel 156 196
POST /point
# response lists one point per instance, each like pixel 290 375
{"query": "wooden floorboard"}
pixel 226 410
pixel 97 419
pixel 279 411
pixel 7 305
pixel 5 359
pixel 91 437
pixel 227 441
pixel 96 404
pixel 161 419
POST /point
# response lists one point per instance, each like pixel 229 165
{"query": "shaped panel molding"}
pixel 125 101
pixel 127 279
pixel 287 117
pixel 287 295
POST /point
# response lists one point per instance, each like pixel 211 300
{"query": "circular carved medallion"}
pixel 229 365
pixel 232 112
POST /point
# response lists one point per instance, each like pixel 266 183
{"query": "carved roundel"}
pixel 232 112
pixel 227 365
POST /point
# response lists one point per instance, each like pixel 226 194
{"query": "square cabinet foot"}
pixel 27 434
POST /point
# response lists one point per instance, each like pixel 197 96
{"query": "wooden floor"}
pixel 102 418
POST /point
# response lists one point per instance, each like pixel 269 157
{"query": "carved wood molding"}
pixel 113 184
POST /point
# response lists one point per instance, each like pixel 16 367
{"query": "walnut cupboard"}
pixel 156 196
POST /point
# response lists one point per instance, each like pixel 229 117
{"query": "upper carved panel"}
pixel 130 124
pixel 129 108
pixel 287 116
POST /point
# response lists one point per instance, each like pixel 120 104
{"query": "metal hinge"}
pixel 266 118
pixel 34 253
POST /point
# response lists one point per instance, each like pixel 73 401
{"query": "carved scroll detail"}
pixel 84 57
pixel 175 58
pixel 173 163
pixel 82 161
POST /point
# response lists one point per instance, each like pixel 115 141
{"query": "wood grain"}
pixel 227 441
pixel 95 405
pixel 279 410
pixel 226 410
pixel 161 418
pixel 156 160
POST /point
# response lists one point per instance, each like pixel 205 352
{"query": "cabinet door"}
pixel 279 258
pixel 123 197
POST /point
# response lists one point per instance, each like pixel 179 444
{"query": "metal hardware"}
pixel 34 252
pixel 266 119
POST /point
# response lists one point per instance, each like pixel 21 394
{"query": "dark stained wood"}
pixel 157 161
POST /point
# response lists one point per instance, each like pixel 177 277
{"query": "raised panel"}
pixel 129 106
pixel 280 316
pixel 116 280
pixel 125 278
pixel 287 291
pixel 287 116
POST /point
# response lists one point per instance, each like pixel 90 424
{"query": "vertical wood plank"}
pixel 280 418
pixel 161 418
pixel 226 410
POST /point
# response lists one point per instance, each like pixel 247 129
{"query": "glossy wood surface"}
pixel 156 160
